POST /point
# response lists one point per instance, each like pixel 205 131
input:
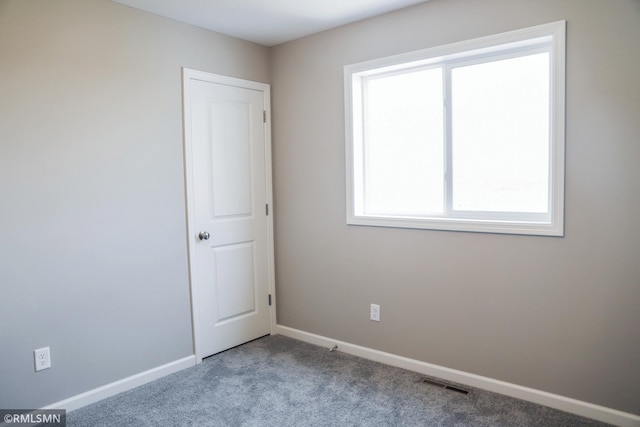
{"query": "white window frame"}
pixel 552 35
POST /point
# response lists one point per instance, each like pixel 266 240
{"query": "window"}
pixel 468 136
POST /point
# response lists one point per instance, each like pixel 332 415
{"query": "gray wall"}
pixel 556 314
pixel 93 257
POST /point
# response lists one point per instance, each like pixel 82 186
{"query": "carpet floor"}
pixel 279 381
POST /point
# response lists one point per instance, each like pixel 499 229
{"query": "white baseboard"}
pixel 585 409
pixel 124 384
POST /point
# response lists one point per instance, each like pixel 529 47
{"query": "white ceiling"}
pixel 269 22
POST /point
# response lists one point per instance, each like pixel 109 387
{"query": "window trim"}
pixel 463 51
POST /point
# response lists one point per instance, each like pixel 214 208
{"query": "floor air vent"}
pixel 444 385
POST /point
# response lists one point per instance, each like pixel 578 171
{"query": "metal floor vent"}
pixel 444 385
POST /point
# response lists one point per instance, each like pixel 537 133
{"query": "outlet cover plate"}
pixel 42 358
pixel 375 312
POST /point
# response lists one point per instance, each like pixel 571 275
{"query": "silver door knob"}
pixel 203 235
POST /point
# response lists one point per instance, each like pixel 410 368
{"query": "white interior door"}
pixel 227 157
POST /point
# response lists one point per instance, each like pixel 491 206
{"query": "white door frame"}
pixel 187 75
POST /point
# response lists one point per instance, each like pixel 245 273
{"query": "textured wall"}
pixel 93 257
pixel 556 314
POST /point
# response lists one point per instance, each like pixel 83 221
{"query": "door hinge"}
pixel 264 116
pixel 267 209
pixel 269 299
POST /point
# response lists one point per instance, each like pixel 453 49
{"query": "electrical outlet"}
pixel 42 358
pixel 375 312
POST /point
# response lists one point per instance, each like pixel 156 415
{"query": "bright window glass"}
pixel 500 135
pixel 404 144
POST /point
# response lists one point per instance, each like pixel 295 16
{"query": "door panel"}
pixel 235 283
pixel 225 147
pixel 231 152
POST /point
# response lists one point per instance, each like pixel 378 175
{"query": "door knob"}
pixel 203 235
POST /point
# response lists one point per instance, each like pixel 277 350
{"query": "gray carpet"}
pixel 278 381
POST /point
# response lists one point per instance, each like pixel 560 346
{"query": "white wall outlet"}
pixel 42 358
pixel 375 312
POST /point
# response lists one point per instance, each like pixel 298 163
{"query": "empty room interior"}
pixel 97 240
